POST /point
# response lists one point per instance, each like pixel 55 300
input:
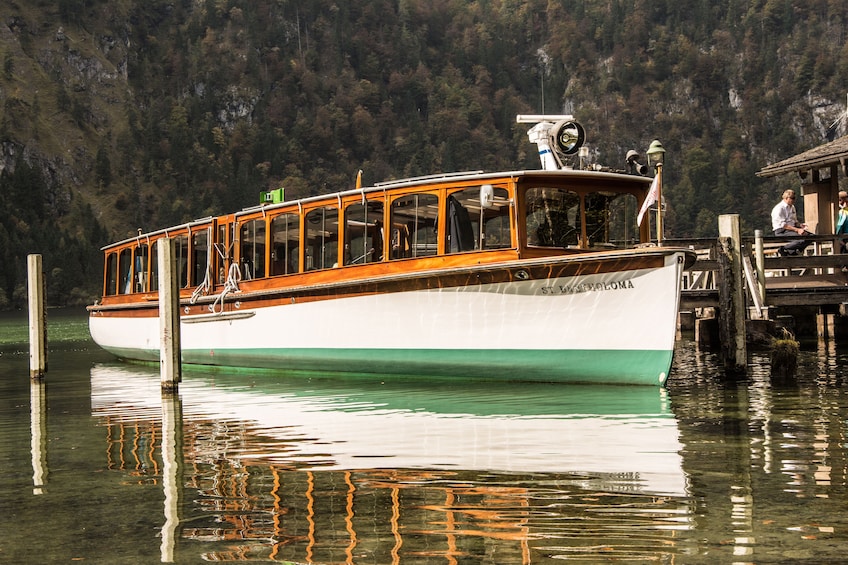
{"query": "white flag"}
pixel 650 199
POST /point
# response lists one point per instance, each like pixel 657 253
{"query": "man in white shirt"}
pixel 784 222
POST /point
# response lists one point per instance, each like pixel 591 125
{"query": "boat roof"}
pixel 459 177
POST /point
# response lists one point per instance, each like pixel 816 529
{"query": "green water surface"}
pixel 94 473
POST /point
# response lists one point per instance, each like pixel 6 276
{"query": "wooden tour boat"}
pixel 538 275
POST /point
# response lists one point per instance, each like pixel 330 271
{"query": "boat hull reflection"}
pixel 618 439
pixel 326 471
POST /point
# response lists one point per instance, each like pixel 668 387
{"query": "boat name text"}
pixel 587 287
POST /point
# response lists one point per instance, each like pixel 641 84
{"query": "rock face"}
pixel 68 105
pixel 61 93
pixel 58 175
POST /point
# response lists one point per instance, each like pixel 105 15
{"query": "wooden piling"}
pixel 825 324
pixel 731 296
pixel 37 318
pixel 706 332
pixel 170 368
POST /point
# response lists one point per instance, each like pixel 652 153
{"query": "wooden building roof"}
pixel 833 153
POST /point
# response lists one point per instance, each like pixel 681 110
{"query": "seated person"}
pixel 842 220
pixel 784 222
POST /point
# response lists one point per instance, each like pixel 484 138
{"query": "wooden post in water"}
pixel 37 318
pixel 825 325
pixel 170 368
pixel 731 295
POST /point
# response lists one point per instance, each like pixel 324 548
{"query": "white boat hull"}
pixel 612 327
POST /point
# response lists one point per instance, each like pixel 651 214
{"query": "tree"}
pixel 103 168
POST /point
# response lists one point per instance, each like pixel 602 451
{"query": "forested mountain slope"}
pixel 127 114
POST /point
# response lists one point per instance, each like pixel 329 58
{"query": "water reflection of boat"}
pixel 617 440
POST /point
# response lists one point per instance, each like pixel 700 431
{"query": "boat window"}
pixel 223 255
pixel 497 231
pixel 553 217
pixel 363 233
pixel 181 253
pixel 125 270
pixel 322 238
pixel 611 219
pixel 473 224
pixel 141 265
pixel 253 249
pixel 111 278
pixel 200 257
pixel 285 235
pixel 413 226
pixel 154 267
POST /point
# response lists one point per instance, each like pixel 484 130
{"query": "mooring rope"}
pixel 232 285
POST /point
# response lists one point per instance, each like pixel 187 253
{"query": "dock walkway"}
pixel 817 278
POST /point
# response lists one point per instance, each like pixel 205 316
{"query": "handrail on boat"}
pixel 428 177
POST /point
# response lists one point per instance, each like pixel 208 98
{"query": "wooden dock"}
pixel 818 278
pixel 807 294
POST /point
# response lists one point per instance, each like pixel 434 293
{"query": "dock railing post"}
pixel 759 256
pixel 731 295
pixel 37 318
pixel 170 369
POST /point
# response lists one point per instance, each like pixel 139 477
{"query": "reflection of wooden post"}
pixel 349 516
pixel 172 471
pixel 37 318
pixel 310 515
pixel 736 421
pixel 38 425
pixel 394 525
pixel 731 295
pixel 169 316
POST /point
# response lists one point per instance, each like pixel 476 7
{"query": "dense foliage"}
pixel 154 112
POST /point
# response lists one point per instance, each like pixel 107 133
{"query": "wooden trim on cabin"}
pixel 230 227
pixel 405 281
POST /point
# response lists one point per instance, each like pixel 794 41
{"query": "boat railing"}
pixel 388 183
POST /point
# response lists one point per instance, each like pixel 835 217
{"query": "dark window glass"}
pixel 141 267
pixel 285 237
pixel 363 233
pixel 253 249
pixel 200 257
pixel 111 286
pixel 553 217
pixel 477 221
pixel 154 267
pixel 611 219
pixel 414 219
pixel 181 253
pixel 322 238
pixel 125 270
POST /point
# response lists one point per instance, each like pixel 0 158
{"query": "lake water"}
pixel 97 467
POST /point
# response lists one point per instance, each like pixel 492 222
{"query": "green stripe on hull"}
pixel 642 367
